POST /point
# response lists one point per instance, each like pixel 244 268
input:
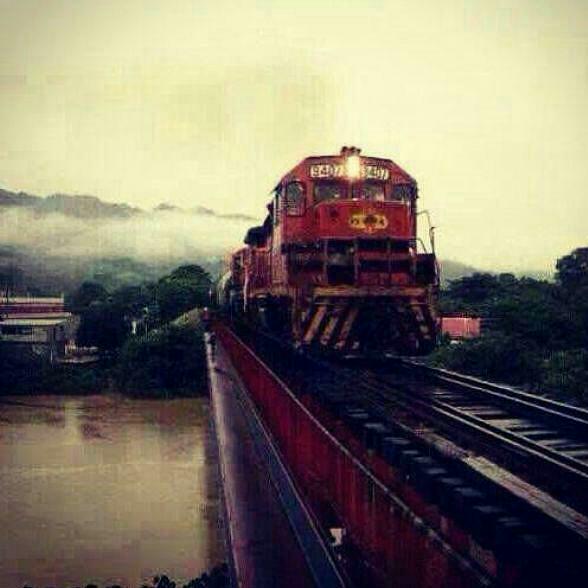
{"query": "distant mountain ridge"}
pixel 92 207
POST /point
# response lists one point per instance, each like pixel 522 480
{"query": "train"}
pixel 337 265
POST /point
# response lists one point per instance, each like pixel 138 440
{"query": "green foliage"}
pixel 475 289
pixel 495 356
pixel 538 335
pixel 88 293
pixel 185 288
pixel 535 312
pixel 103 325
pixel 106 317
pixel 566 372
pixel 166 361
pixel 572 270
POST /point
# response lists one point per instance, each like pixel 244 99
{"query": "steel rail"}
pixel 572 415
pixel 272 368
pixel 559 524
pixel 568 418
pixel 383 393
pixel 497 434
pixel 449 414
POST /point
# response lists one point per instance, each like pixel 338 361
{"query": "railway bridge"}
pixel 392 474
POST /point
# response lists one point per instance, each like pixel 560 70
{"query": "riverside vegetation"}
pixel 163 357
pixel 537 335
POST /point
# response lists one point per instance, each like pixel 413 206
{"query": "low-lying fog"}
pixel 154 236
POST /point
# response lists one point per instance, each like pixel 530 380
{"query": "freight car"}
pixel 337 263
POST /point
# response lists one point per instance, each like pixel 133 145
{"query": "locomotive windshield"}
pixel 370 191
pixel 334 190
pixel 329 190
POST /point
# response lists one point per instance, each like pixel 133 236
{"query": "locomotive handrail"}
pixel 431 228
pixel 419 240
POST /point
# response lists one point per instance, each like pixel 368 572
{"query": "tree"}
pixel 185 288
pixel 565 373
pixel 572 276
pixel 85 295
pixel 132 299
pixel 538 333
pixel 102 325
pixel 470 294
pixel 11 280
pixel 167 360
pixel 190 273
pixel 495 356
pixel 572 270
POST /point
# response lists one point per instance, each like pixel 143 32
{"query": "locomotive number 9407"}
pixel 337 264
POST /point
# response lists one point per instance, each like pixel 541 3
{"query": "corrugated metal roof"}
pixel 31 300
pixel 35 315
pixel 36 322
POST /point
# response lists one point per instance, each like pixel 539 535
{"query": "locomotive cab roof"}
pixel 318 167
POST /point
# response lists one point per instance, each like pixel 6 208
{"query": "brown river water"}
pixel 106 489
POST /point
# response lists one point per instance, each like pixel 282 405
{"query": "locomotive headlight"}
pixel 352 166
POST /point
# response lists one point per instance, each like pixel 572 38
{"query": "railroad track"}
pixel 544 439
pixel 549 439
pixel 395 409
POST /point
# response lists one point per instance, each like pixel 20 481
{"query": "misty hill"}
pixel 79 206
pixel 16 199
pixel 453 270
pixel 83 207
pixel 25 272
pixel 92 207
pixel 51 244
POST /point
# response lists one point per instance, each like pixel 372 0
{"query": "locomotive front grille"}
pixel 355 262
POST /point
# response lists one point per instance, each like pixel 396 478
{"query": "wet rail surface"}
pixel 107 490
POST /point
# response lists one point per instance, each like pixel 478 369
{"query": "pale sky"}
pixel 208 103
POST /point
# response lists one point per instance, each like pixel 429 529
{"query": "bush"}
pixel 167 361
pixel 29 374
pixel 494 356
pixel 186 287
pixel 565 373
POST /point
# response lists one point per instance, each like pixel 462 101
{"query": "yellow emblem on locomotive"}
pixel 368 221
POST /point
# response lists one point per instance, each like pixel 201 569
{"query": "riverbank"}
pixel 166 362
pixel 217 577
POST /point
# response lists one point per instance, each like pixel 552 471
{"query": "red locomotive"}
pixel 335 264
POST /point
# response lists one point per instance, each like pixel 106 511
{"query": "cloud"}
pixel 159 236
